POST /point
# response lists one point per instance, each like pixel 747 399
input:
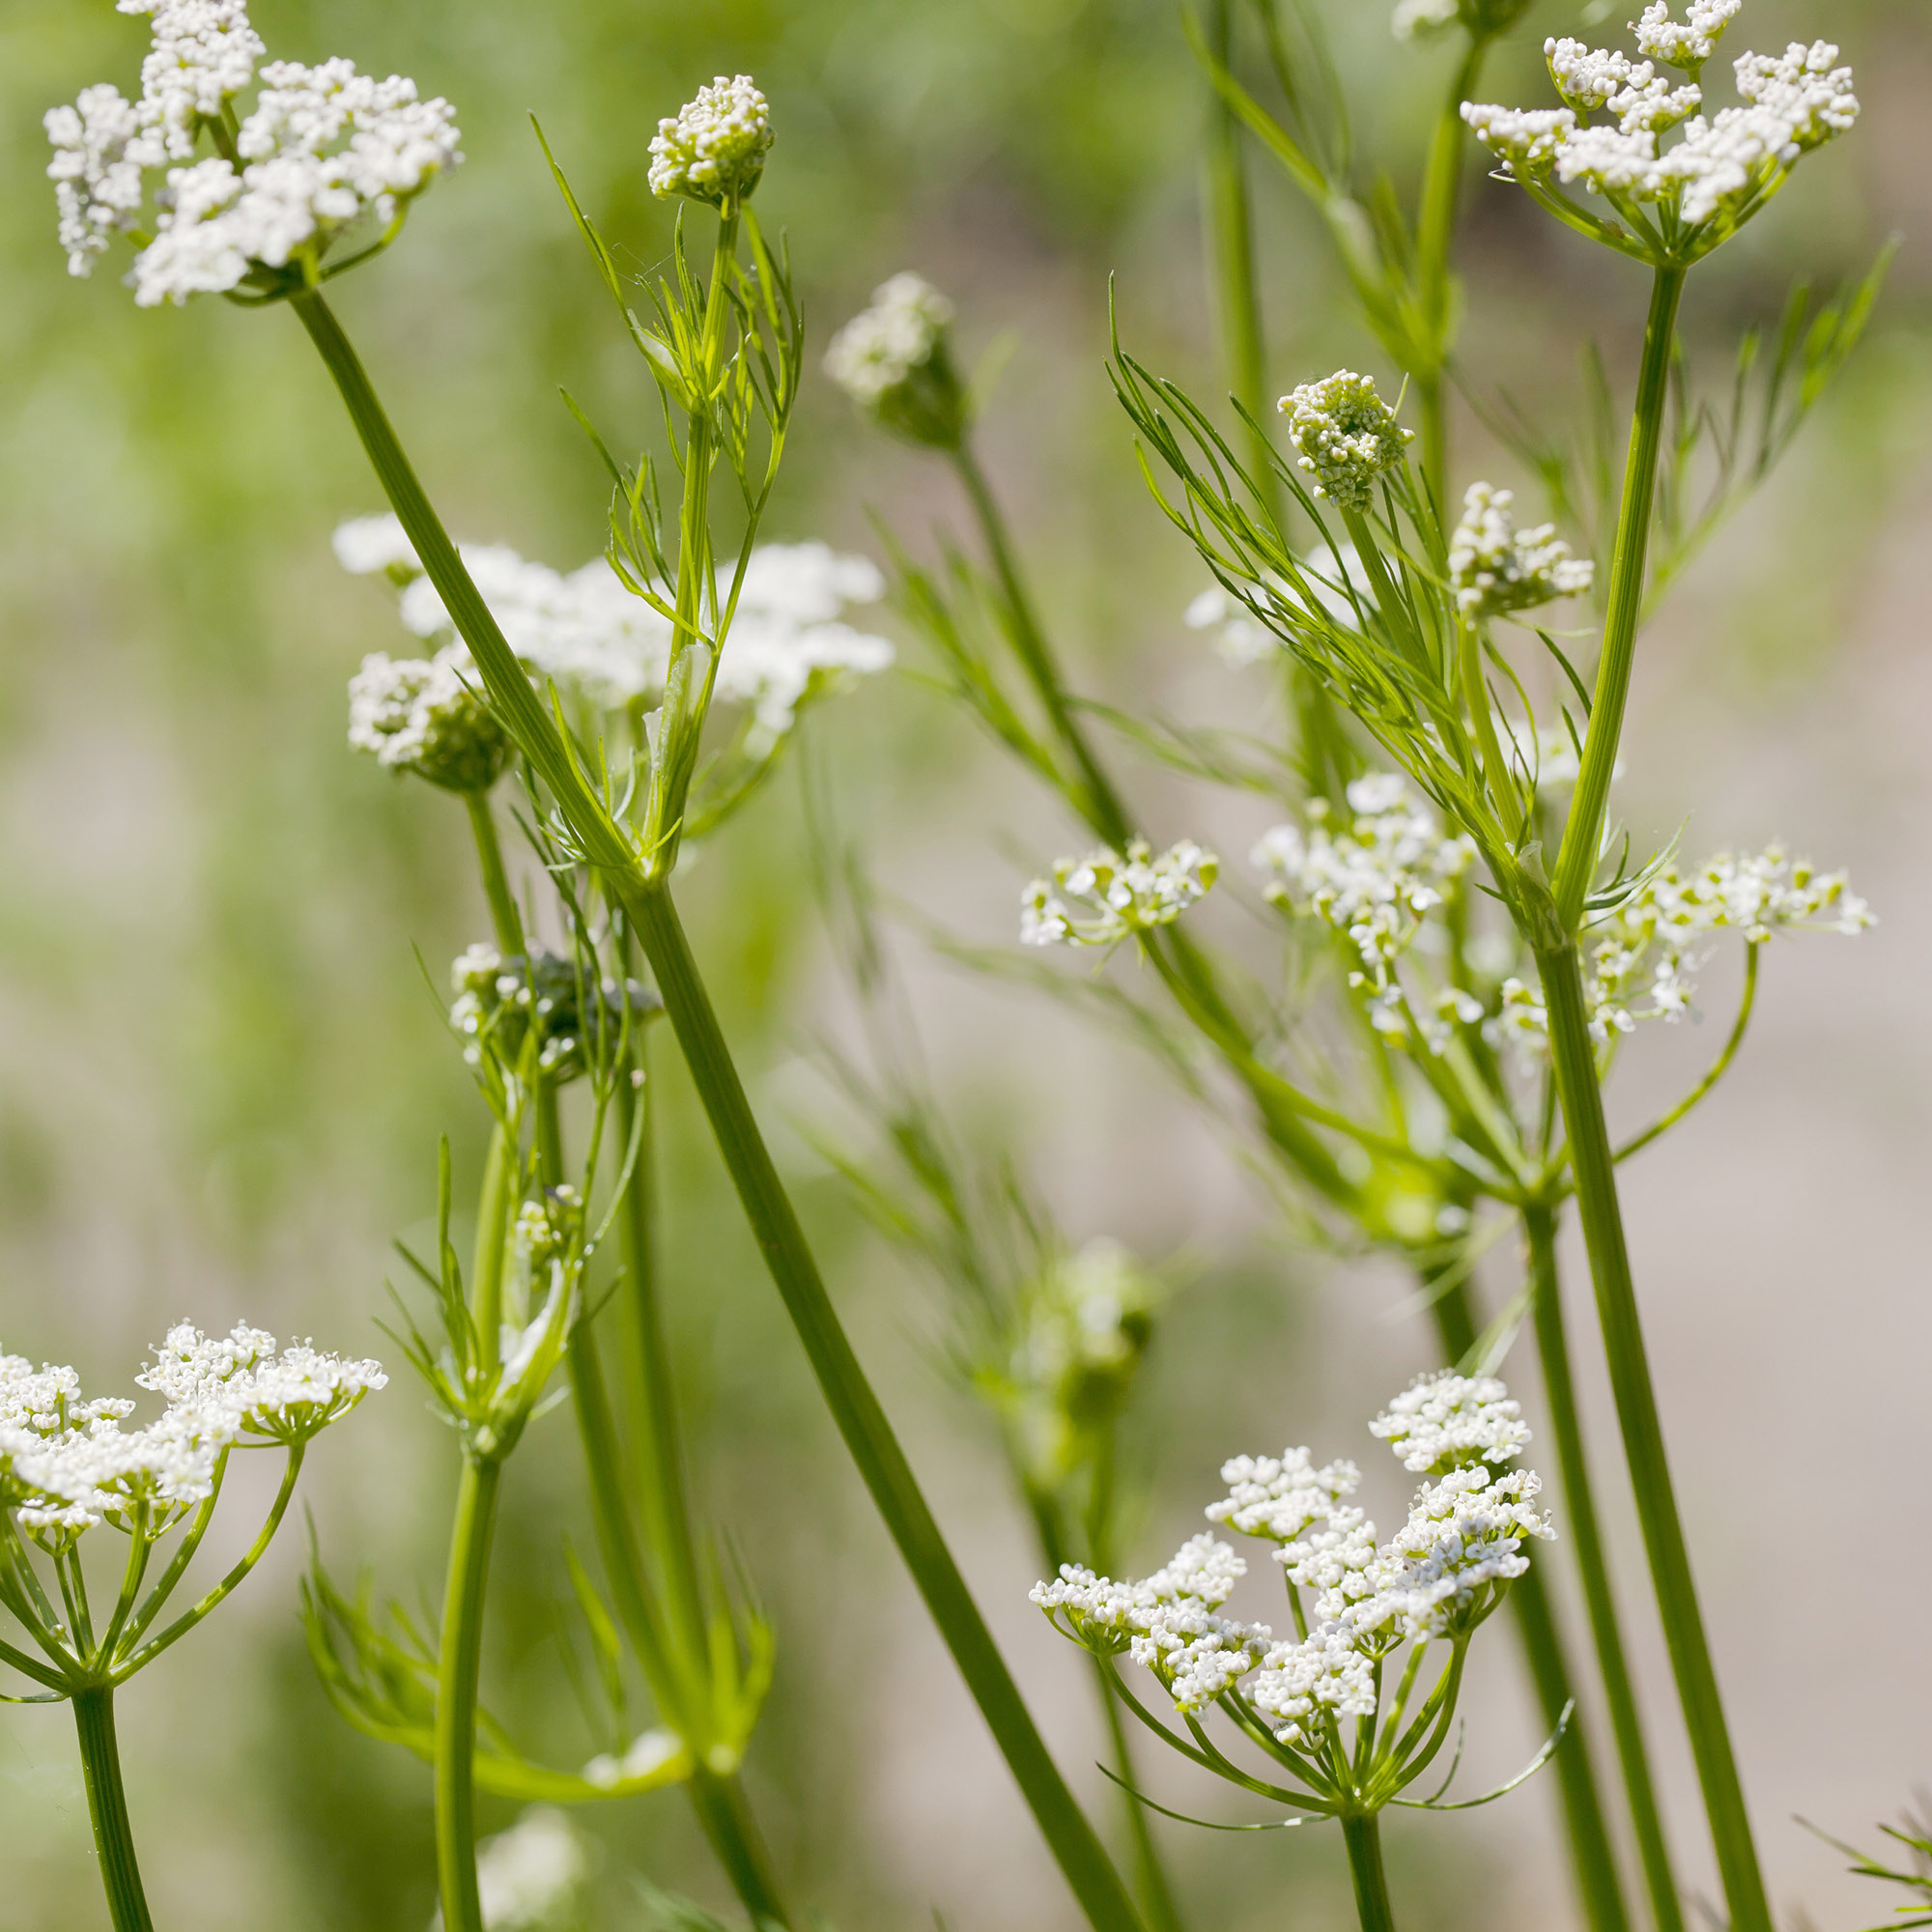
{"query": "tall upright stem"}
pixel 1580 1526
pixel 1105 809
pixel 854 1406
pixel 1362 1833
pixel 107 1810
pixel 504 918
pixel 460 1665
pixel 1582 833
pixel 1591 1857
pixel 1573 1054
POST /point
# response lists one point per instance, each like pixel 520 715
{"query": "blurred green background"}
pixel 221 1079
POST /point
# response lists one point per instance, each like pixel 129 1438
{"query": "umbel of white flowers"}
pixel 1496 568
pixel 1439 1576
pixel 893 359
pixel 714 148
pixel 1721 168
pixel 603 647
pixel 1100 899
pixel 323 150
pixel 66 1464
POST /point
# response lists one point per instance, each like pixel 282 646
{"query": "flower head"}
pixel 499 997
pixel 1689 44
pixel 427 716
pixel 285 1397
pixel 366 545
pixel 323 148
pixel 1100 899
pixel 714 148
pixel 1418 20
pixel 1496 568
pixel 1281 1497
pixel 1445 1421
pixel 1346 435
pixel 893 360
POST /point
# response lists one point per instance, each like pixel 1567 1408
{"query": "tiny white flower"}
pixel 1100 899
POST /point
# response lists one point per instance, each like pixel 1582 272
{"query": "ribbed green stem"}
pixel 494 1208
pixel 1593 1862
pixel 1362 1833
pixel 459 1667
pixel 1580 1528
pixel 1574 1056
pixel 107 1810
pixel 1582 833
pixel 725 1816
pixel 854 1406
pixel 1103 808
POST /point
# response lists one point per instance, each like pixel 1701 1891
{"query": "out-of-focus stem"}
pixel 1579 1524
pixel 107 1810
pixel 504 918
pixel 459 1667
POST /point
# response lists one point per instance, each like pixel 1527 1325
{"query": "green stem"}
pixel 1580 1512
pixel 107 1810
pixel 738 1844
pixel 459 1667
pixel 1101 807
pixel 504 915
pixel 855 1407
pixel 494 1208
pixel 1362 1833
pixel 1591 1857
pixel 1582 833
pixel 861 1420
pixel 1574 1061
pixel 658 1445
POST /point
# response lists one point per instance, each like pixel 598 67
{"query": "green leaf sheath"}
pixel 1592 1861
pixel 854 1406
pixel 1579 1526
pixel 1574 1054
pixel 107 1810
pixel 460 1663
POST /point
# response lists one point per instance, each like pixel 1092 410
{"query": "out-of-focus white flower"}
pixel 1100 899
pixel 1417 19
pixel 882 347
pixel 532 1877
pixel 714 148
pixel 1496 568
pixel 1244 641
pixel 1346 435
pixel 1373 880
pixel 366 545
pixel 322 149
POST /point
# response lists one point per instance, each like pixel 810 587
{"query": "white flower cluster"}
pixel 1721 166
pixel 882 347
pixel 1496 568
pixel 1445 1421
pixel 66 1464
pixel 532 1877
pixel 1372 880
pixel 1346 435
pixel 427 716
pixel 1100 899
pixel 1417 19
pixel 1649 949
pixel 324 148
pixel 1169 1623
pixel 714 148
pixel 1280 1497
pixel 1440 1574
pixel 606 649
pixel 1687 45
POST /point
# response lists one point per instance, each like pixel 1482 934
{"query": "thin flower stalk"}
pixel 107 1810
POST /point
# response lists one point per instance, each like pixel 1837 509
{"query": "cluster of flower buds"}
pixel 1496 568
pixel 508 1003
pixel 714 148
pixel 1346 435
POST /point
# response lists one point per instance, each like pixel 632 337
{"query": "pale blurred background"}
pixel 221 1080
